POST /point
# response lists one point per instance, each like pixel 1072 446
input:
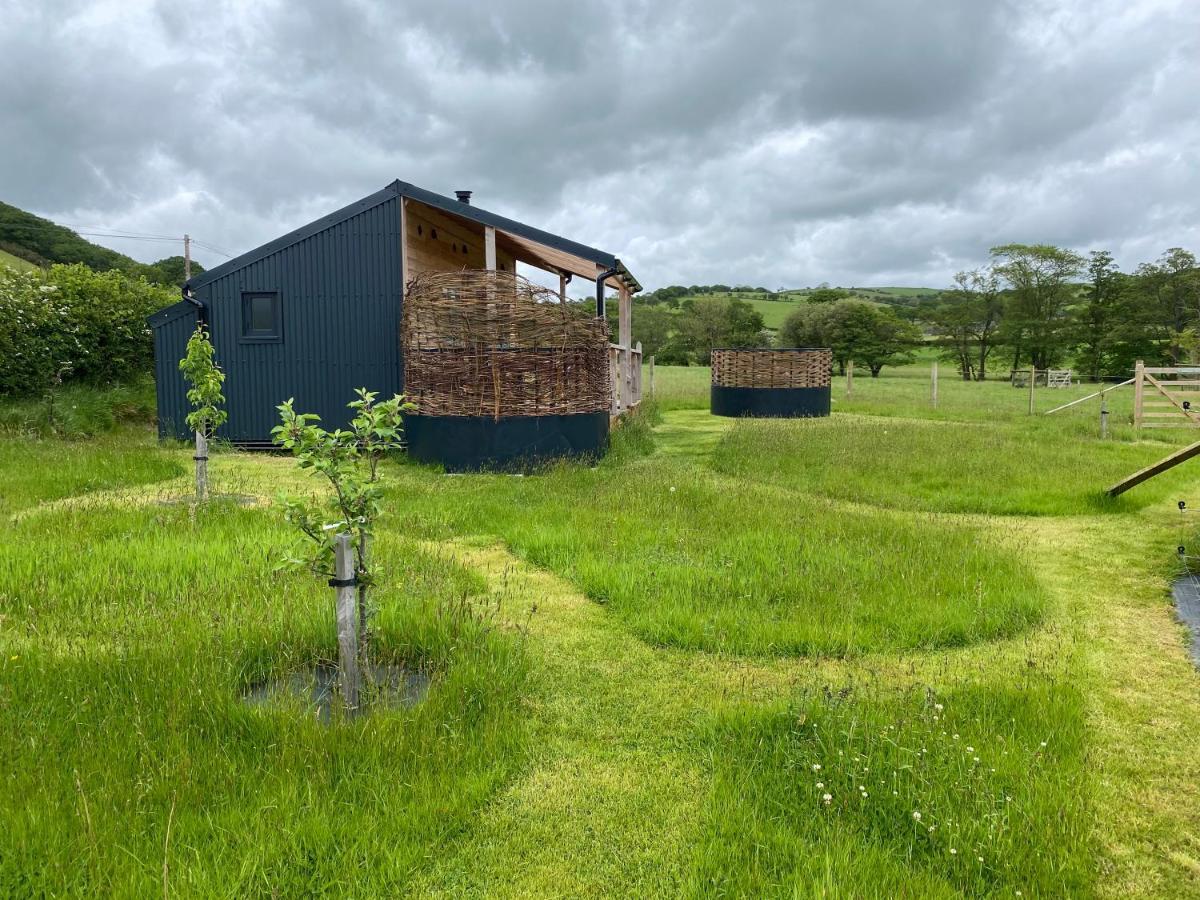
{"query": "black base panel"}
pixel 779 403
pixel 515 443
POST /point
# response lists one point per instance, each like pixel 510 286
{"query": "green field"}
pixel 903 651
pixel 15 262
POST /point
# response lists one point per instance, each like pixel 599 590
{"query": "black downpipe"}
pixel 201 309
pixel 600 279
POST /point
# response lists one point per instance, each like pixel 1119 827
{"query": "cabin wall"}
pixel 171 335
pixel 340 296
pixel 438 243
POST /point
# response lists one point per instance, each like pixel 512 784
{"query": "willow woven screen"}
pixel 800 368
pixel 482 343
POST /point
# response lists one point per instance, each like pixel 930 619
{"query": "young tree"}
pixel 206 381
pixel 349 460
pixel 1039 276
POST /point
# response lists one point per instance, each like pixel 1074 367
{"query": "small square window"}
pixel 262 317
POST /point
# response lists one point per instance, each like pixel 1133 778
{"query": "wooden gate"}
pixel 1166 397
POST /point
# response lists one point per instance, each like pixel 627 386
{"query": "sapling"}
pixel 349 460
pixel 207 414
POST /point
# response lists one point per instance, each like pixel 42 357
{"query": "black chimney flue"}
pixel 464 196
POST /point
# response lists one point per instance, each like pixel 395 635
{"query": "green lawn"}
pixel 646 675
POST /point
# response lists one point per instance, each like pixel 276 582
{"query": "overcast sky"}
pixel 787 142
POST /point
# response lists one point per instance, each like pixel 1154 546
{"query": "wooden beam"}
pixel 405 270
pixel 1158 468
pixel 489 248
pixel 1139 386
pixel 625 336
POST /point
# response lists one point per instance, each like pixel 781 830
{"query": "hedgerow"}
pixel 69 323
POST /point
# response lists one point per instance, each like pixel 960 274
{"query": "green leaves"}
pixel 349 461
pixel 206 380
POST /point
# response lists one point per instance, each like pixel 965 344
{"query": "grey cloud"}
pixel 777 143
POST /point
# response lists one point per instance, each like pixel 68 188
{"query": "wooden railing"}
pixel 625 372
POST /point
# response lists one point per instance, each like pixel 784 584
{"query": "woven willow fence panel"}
pixel 772 368
pixel 480 343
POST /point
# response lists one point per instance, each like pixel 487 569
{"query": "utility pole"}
pixel 187 257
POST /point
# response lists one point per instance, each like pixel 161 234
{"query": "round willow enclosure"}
pixel 771 383
pixel 502 372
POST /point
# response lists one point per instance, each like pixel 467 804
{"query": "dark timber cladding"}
pixel 316 313
pixel 172 328
pixel 339 293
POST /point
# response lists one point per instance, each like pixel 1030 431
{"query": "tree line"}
pixel 1029 305
pixel 1044 306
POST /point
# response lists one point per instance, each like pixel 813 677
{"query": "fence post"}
pixel 1103 415
pixel 933 378
pixel 1139 382
pixel 344 583
pixel 1032 380
pixel 201 458
pixel 849 377
pixel 652 376
pixel 637 375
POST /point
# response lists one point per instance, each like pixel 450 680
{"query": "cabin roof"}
pixel 452 206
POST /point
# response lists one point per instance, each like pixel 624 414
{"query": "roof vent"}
pixel 464 196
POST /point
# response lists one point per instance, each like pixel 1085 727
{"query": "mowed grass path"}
pixel 593 744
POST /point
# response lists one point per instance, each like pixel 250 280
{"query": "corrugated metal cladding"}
pixel 172 328
pixel 340 292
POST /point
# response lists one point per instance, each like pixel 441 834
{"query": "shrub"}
pixel 70 323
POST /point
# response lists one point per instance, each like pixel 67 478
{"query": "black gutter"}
pixel 201 310
pixel 600 279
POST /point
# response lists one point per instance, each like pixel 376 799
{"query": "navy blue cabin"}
pixel 317 313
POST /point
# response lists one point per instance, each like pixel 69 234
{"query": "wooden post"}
pixel 1103 415
pixel 562 288
pixel 405 273
pixel 625 331
pixel 849 377
pixel 651 376
pixel 1032 379
pixel 637 374
pixel 933 378
pixel 187 257
pixel 614 375
pixel 347 619
pixel 489 248
pixel 201 458
pixel 1139 384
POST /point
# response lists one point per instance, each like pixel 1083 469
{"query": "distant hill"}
pixel 35 241
pixel 775 306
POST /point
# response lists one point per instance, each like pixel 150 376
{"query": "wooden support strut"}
pixel 1158 468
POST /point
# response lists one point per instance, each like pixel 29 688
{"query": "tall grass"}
pixel 1042 467
pixel 687 559
pixel 132 765
pixel 79 411
pixel 976 791
pixel 34 469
